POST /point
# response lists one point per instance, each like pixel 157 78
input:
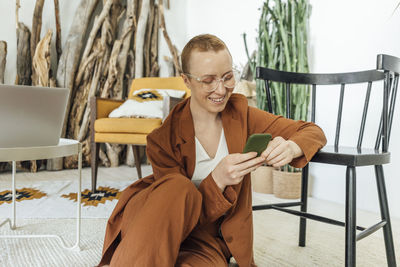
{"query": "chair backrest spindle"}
pixel 269 99
pixel 364 116
pixel 288 100
pixel 385 112
pixel 339 117
pixel 392 103
pixel 391 66
pixel 313 101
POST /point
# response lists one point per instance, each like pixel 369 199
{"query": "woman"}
pixel 165 219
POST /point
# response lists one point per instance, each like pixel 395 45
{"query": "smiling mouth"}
pixel 217 100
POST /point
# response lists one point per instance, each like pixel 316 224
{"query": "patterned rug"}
pixel 58 200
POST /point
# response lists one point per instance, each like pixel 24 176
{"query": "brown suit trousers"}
pixel 162 219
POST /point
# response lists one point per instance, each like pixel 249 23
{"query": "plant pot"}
pixel 286 184
pixel 261 180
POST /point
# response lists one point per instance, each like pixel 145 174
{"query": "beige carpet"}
pixel 275 234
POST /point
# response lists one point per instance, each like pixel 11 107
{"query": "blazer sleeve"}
pixel 215 202
pixel 307 135
pixel 163 159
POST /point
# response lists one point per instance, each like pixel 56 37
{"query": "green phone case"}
pixel 257 143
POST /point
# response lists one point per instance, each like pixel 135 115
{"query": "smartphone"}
pixel 257 143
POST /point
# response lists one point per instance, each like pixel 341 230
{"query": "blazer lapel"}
pixel 186 139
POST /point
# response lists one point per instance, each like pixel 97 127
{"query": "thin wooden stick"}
pixel 168 40
pixel 140 36
pixel 96 26
pixel 154 68
pixel 17 6
pixel 58 29
pixel 3 56
pixel 147 42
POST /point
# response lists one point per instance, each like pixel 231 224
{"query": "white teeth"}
pixel 217 100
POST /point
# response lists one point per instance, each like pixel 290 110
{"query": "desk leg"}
pixel 14 208
pixel 78 208
pixel 12 221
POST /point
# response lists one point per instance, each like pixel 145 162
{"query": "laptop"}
pixel 31 116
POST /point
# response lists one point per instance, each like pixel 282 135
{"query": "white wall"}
pixel 227 19
pixel 344 36
pixel 347 36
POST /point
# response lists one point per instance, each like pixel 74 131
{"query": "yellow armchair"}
pixel 131 131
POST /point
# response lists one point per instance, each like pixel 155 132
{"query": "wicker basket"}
pixel 262 180
pixel 286 184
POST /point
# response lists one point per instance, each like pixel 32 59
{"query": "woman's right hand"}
pixel 231 169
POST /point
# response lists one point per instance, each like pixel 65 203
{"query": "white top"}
pixel 204 164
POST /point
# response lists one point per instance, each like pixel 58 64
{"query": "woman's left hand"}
pixel 280 152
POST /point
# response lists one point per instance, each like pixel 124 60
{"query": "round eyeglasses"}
pixel 210 83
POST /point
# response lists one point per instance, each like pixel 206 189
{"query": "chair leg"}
pixel 387 229
pixel 136 155
pixel 95 147
pixel 350 224
pixel 303 207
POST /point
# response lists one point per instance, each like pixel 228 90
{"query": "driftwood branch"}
pixel 42 72
pixel 92 74
pixel 36 25
pixel 96 26
pixel 140 34
pixel 117 69
pixel 171 47
pixel 69 59
pixel 41 61
pixel 147 40
pixel 3 57
pixel 127 33
pixel 58 29
pixel 24 68
pixel 17 6
pixel 24 60
pixel 105 63
pixel 154 67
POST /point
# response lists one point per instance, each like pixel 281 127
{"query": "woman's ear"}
pixel 186 80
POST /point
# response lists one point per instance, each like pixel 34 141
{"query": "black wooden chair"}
pixel 388 69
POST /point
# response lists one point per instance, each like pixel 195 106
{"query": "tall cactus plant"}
pixel 282 45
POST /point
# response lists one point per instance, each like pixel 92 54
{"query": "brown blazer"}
pixel 171 149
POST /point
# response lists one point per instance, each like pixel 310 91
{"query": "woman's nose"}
pixel 220 88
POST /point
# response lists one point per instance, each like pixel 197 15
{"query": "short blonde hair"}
pixel 202 43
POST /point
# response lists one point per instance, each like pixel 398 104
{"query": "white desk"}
pixel 66 147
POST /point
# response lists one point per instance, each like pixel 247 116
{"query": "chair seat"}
pixel 351 156
pixel 126 125
pixel 120 138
